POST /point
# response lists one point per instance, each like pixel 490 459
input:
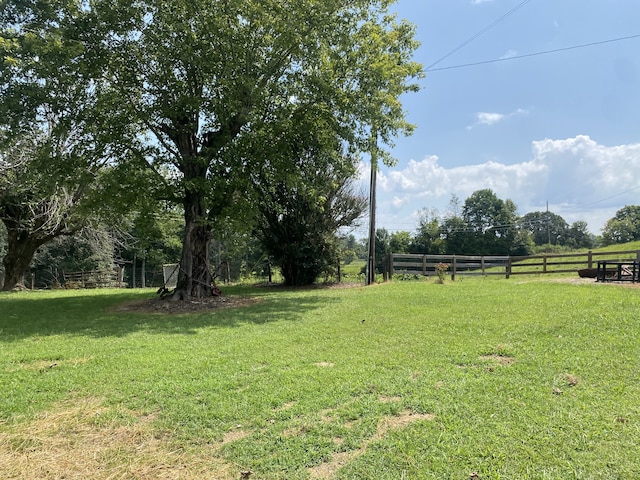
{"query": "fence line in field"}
pixel 425 264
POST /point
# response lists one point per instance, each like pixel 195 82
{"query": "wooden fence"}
pixel 418 264
pixel 94 279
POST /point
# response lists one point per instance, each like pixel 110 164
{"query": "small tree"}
pixel 382 248
pixel 579 236
pixel 429 235
pixel 350 249
pixel 623 227
pixel 400 242
pixel 299 217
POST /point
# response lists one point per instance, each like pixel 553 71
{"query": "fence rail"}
pixel 93 279
pixel 426 265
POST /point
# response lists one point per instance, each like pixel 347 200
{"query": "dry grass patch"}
pixel 570 380
pixel 328 469
pixel 285 406
pixel 43 365
pixel 77 440
pixel 388 399
pixel 234 435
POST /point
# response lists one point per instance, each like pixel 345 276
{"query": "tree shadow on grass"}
pixel 97 315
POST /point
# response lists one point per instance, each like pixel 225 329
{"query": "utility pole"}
pixel 371 258
pixel 548 226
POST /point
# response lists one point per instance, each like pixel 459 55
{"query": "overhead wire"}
pixel 432 66
pixel 610 197
pixel 481 32
pixel 527 55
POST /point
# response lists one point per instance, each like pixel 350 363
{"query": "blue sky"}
pixel 562 128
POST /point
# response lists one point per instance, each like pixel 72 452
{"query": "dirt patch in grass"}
pixel 235 435
pixel 285 406
pixel 570 380
pixel 196 305
pixel 82 439
pixel 499 359
pixel 328 469
pixel 324 364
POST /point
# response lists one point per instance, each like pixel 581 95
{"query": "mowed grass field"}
pixel 475 379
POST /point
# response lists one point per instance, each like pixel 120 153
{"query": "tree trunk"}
pixel 194 277
pixel 20 250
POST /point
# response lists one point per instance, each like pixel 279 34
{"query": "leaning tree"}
pixel 52 129
pixel 34 209
pixel 201 77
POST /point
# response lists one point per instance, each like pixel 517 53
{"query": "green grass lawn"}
pixel 506 379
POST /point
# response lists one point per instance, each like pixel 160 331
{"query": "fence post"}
pixel 453 268
pixel 482 264
pixel 590 259
pixel 385 264
pixel 544 264
pixel 508 268
pixel 133 272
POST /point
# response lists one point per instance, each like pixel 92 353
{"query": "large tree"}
pixel 56 131
pixel 491 223
pixel 203 76
pixel 34 210
pixel 545 227
pixel 579 236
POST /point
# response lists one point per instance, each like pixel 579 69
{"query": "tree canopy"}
pixel 301 208
pixel 623 227
pixel 488 225
pixel 206 79
pixel 52 130
pixel 190 89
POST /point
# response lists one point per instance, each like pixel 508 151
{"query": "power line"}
pixel 515 57
pixel 481 32
pixel 610 197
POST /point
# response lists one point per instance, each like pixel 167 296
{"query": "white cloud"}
pixel 493 118
pixel 478 2
pixel 581 180
pixel 485 118
pixel 509 54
